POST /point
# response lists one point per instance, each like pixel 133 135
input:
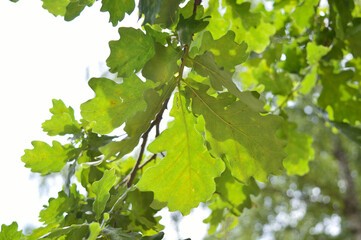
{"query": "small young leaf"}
pixel 62 121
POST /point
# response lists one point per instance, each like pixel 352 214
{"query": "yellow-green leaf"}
pixel 185 177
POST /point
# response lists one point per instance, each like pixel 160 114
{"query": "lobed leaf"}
pixel 45 159
pixel 130 52
pixel 117 9
pixel 62 121
pixel 239 134
pixel 299 150
pixel 185 177
pixel 114 103
pixel 11 232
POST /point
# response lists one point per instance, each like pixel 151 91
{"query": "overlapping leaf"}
pixel 189 26
pixel 185 177
pixel 340 96
pixel 205 65
pixel 45 159
pixel 227 53
pixel 117 9
pixel 168 13
pixel 234 131
pixel 299 150
pixel 62 121
pixel 150 10
pixel 163 65
pixel 114 103
pixel 139 123
pixel 101 189
pixel 130 52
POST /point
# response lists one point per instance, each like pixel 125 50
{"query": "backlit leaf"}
pixel 205 65
pixel 163 65
pixel 11 232
pixel 62 121
pixel 114 103
pixel 101 189
pixel 185 177
pixel 299 150
pixel 139 123
pixel 245 138
pixel 45 159
pixel 130 52
pixel 117 9
pixel 56 7
pixel 227 53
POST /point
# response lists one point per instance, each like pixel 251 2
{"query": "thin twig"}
pixel 156 122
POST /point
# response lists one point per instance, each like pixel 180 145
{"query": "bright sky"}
pixel 43 57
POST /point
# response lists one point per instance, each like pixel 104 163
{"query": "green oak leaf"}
pixel 53 213
pixel 45 159
pixel 101 189
pixel 141 210
pixel 185 176
pixel 189 26
pixel 303 13
pixel 75 7
pixel 56 7
pixel 130 52
pixel 117 9
pixel 158 236
pixel 72 232
pixel 11 232
pixel 205 65
pixel 94 229
pixel 273 81
pixel 114 103
pixel 62 121
pixel 299 150
pixel 163 65
pixel 315 52
pixel 242 12
pixel 309 81
pixel 339 95
pixel 139 122
pixel 234 193
pixel 239 134
pixel 227 53
pixel 168 13
pixel 150 10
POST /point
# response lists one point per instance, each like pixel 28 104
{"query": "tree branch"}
pixel 130 178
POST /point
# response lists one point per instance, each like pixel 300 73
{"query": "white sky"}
pixel 43 57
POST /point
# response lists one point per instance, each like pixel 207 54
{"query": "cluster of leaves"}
pixel 229 71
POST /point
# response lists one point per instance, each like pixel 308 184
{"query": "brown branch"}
pixel 130 178
pixel 196 3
